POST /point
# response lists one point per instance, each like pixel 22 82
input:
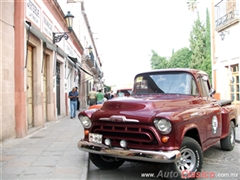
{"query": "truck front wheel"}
pixel 105 162
pixel 190 163
pixel 228 142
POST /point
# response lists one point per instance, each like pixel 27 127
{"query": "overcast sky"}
pixel 126 31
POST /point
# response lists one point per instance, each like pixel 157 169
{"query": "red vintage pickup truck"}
pixel 170 118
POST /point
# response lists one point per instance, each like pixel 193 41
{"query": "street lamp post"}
pixel 57 36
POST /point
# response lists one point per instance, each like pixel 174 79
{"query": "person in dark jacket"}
pixel 78 102
pixel 73 96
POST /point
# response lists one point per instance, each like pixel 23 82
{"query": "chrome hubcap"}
pixel 232 136
pixel 187 160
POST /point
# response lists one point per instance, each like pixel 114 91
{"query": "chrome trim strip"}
pixel 104 119
pixel 132 154
pixel 194 114
pixel 116 118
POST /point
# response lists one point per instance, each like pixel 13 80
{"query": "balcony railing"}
pixel 90 60
pixel 94 69
pixel 227 14
pixel 231 16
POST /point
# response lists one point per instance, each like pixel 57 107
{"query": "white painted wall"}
pixel 227 54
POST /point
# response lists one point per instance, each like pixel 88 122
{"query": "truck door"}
pixel 213 113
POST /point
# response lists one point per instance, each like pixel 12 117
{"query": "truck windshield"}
pixel 124 92
pixel 164 82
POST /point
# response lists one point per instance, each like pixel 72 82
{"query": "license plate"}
pixel 96 138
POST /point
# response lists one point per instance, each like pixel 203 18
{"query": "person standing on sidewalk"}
pixel 73 96
pixel 92 97
pixel 78 102
pixel 100 97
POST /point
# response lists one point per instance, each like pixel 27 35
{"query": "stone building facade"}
pixel 37 73
pixel 225 19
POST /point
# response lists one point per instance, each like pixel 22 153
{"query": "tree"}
pixel 200 42
pixel 199 54
pixel 208 35
pixel 197 44
pixel 192 5
pixel 181 58
pixel 107 88
pixel 207 66
pixel 158 62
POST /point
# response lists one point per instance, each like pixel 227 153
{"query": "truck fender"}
pixel 192 131
pixel 88 112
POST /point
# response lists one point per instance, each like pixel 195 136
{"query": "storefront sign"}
pixel 47 26
pixel 33 12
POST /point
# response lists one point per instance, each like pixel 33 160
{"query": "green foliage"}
pixel 197 44
pixel 199 54
pixel 158 62
pixel 207 66
pixel 200 45
pixel 208 35
pixel 180 59
pixel 107 88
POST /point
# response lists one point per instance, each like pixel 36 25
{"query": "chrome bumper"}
pixel 131 154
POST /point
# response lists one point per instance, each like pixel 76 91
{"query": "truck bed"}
pixel 224 102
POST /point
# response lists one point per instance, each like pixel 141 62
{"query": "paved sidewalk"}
pixel 48 153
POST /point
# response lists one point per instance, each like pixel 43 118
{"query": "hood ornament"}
pixel 117 118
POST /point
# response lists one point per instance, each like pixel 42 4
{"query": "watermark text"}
pixel 188 174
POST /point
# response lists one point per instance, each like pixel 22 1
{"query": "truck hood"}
pixel 142 108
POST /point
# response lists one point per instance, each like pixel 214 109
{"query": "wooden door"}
pixel 30 87
pixel 45 88
pixel 58 82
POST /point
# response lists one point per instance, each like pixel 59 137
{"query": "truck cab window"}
pixel 205 86
pixel 194 89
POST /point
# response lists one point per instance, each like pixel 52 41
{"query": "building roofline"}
pixel 90 32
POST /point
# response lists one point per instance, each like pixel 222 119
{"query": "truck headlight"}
pixel 86 122
pixel 163 125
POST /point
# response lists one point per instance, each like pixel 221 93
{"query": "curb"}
pixel 87 160
pixel 88 165
pixel 84 175
pixel 33 130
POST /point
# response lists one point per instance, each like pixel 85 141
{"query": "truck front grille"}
pixel 137 136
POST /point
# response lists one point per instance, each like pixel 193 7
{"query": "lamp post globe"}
pixel 69 19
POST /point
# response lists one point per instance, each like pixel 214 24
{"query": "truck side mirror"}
pixel 212 92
